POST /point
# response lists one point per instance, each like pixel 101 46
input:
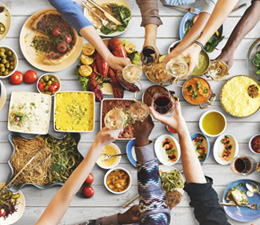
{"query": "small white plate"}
pixel 11 219
pixel 5 18
pixel 161 153
pixel 219 147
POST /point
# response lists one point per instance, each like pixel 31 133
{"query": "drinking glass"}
pixel 217 70
pixel 138 111
pixel 114 119
pixel 132 73
pixel 243 165
pixel 160 73
pixel 177 67
pixel 163 101
pixel 148 56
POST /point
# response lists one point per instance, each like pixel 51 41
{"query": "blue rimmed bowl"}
pixel 206 144
pixel 76 136
pixel 130 151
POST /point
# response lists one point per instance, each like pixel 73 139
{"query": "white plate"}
pixel 168 169
pixel 5 18
pixel 101 2
pixel 219 147
pixel 161 153
pixel 16 215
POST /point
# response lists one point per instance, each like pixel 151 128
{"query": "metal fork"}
pixel 251 206
pixel 103 21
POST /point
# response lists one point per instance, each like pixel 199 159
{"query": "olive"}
pixel 2 50
pixel 4 61
pixel 49 83
pixel 11 58
pixel 12 63
pixel 11 67
pixel 48 92
pixel 2 69
pixel 7 65
pixel 2 65
pixel 46 88
pixel 44 83
pixel 4 57
pixel 2 54
pixel 6 73
pixel 46 78
pixel 9 53
pixel 52 79
pixel 40 79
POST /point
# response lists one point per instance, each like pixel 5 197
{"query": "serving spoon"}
pixel 252 187
pixel 108 156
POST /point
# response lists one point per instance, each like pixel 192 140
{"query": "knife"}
pixel 107 15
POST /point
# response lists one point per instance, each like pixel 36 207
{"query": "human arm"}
pixel 248 21
pixel 72 13
pixel 220 13
pixel 62 199
pixel 152 207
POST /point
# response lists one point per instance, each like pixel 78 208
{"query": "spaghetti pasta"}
pixel 172 180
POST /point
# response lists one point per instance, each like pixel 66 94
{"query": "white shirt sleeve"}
pixel 209 6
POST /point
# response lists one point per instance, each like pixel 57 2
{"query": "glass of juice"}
pixel 114 119
pixel 163 102
pixel 243 165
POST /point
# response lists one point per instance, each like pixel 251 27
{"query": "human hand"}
pixel 118 63
pixel 177 121
pixel 130 216
pixel 106 136
pixel 142 131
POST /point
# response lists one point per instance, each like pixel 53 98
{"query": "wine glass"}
pixel 114 119
pixel 138 111
pixel 132 73
pixel 160 73
pixel 163 102
pixel 217 70
pixel 177 67
pixel 148 56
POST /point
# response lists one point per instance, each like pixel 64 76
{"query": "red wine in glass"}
pixel 242 165
pixel 162 103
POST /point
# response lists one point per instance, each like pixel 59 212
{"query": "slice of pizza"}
pixel 58 49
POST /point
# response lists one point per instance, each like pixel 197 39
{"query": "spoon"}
pixel 252 187
pixel 108 156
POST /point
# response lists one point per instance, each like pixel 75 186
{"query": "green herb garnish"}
pixel 189 88
pixel 194 94
pixel 205 91
pixel 198 85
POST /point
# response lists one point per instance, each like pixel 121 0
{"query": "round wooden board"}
pixel 5 18
pixel 35 58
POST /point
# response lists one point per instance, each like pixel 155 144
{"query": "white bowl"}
pixel 249 144
pixel 118 158
pixel 202 117
pixel 129 185
pixel 161 153
pixel 173 44
pixel 15 60
pixel 219 147
pixel 49 74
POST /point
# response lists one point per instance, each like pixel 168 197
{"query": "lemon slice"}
pixel 87 60
pixel 162 58
pixel 130 47
pixel 88 49
pixel 85 70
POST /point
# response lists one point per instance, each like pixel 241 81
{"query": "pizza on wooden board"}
pixel 58 45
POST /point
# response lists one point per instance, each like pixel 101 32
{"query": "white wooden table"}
pixel 103 202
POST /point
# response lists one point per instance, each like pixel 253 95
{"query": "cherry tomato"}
pixel 89 179
pixel 88 191
pixel 40 85
pixel 30 76
pixel 16 78
pixel 52 88
pixel 171 129
pixel 56 84
pixel 67 38
pixel 56 32
pixel 62 47
pixel 2 213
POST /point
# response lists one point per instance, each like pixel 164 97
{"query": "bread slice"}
pixel 239 197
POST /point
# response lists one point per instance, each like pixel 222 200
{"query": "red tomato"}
pixel 88 191
pixel 56 84
pixel 67 38
pixel 40 85
pixel 52 88
pixel 89 179
pixel 16 78
pixel 30 76
pixel 62 47
pixel 56 32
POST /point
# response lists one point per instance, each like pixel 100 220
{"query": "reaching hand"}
pixel 130 216
pixel 177 121
pixel 142 131
pixel 106 136
pixel 118 63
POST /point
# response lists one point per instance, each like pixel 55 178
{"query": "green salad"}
pixel 256 60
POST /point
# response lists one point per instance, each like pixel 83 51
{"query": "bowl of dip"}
pixel 197 91
pixel 254 144
pixel 110 149
pixel 212 123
